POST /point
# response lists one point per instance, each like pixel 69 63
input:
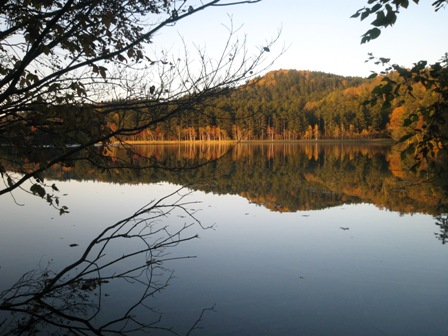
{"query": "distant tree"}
pixel 316 131
pixel 77 73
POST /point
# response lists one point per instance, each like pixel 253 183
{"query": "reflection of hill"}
pixel 278 176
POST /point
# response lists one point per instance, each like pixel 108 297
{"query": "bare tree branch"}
pixel 72 298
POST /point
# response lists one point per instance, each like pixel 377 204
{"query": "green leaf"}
pixel 63 210
pixel 365 14
pixel 422 64
pixel 374 33
pixel 38 190
pixel 414 167
pixel 121 58
pixel 370 35
pixel 413 116
pixel 49 199
pixel 387 88
pixel 39 178
pixel 391 17
pixel 406 137
pixel 102 71
pixel 386 105
pixel 375 8
pixel 380 20
pixel 407 122
pixel 377 90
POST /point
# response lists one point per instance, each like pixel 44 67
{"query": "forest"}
pixel 288 105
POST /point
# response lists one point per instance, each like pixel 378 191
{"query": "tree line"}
pixel 288 105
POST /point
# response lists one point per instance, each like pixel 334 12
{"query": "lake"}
pixel 293 239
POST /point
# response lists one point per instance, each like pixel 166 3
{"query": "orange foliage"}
pixel 353 91
pixel 396 121
pixel 395 164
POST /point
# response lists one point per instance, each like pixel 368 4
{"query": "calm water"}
pixel 304 240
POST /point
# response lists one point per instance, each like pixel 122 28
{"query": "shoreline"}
pixel 218 142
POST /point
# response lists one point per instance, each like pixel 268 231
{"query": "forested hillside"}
pixel 290 105
pixel 282 105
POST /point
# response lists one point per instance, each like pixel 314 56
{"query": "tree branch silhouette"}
pixel 71 300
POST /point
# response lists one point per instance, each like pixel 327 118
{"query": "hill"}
pixel 287 105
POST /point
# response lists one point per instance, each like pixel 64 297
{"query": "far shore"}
pixel 217 142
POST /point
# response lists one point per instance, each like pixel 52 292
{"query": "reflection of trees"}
pixel 279 176
pixel 442 222
pixel 131 252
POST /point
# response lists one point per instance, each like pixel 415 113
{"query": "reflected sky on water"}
pixel 351 269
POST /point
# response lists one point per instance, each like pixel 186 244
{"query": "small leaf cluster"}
pixel 39 188
pixel 386 12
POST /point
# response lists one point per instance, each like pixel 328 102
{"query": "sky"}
pixel 318 35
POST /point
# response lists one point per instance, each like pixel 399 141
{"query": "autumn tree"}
pixel 78 73
pixel 425 125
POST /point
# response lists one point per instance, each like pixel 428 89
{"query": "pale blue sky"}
pixel 320 34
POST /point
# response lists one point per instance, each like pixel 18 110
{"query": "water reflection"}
pixel 442 222
pixel 284 177
pixel 84 297
pixel 349 269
